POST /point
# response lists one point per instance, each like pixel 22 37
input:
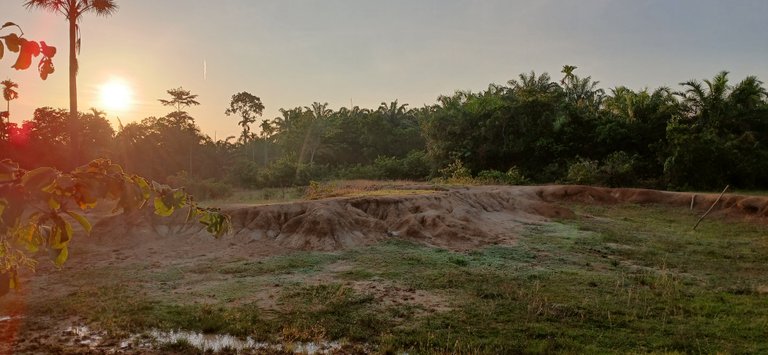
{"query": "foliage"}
pixel 583 171
pixel 413 166
pixel 706 135
pixel 180 99
pixel 456 173
pixel 202 189
pixel 37 208
pixel 511 177
pixel 248 107
pixel 618 169
pixel 16 43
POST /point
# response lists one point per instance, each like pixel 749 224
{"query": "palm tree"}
pixel 706 101
pixel 568 73
pixel 73 11
pixel 318 114
pixel 9 94
pixel 393 111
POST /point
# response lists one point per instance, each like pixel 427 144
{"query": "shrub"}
pixel 583 171
pixel 511 177
pixel 413 166
pixel 618 169
pixel 201 189
pixel 456 173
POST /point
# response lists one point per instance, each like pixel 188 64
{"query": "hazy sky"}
pixel 291 53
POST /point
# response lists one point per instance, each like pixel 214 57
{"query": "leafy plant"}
pixel 16 43
pixel 456 173
pixel 38 207
pixel 513 176
pixel 583 171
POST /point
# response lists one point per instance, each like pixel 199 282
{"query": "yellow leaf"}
pixel 82 220
pixel 161 209
pixel 53 204
pixel 63 255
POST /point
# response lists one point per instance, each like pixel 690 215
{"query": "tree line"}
pixel 702 135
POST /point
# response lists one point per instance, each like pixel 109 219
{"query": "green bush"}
pixel 583 171
pixel 618 169
pixel 456 173
pixel 413 166
pixel 246 173
pixel 201 189
pixel 511 177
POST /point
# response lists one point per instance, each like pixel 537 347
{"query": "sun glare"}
pixel 116 95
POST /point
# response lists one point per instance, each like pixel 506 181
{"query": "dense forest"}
pixel 535 129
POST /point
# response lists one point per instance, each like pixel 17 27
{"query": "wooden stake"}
pixel 693 199
pixel 711 207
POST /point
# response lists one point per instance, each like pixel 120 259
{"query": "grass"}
pixel 629 279
pixel 259 196
pixel 320 190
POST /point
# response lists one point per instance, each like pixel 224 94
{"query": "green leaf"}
pixel 161 209
pixel 39 179
pixel 82 220
pixel 63 255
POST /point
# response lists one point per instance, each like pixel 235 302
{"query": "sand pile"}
pixel 457 219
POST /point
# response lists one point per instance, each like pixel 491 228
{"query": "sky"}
pixel 361 52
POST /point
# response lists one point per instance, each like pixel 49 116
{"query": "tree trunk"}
pixel 73 131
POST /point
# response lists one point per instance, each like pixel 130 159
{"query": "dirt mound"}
pixel 458 219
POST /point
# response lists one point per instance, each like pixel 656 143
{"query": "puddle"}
pixel 206 342
pixel 83 336
pixel 86 337
pixel 219 342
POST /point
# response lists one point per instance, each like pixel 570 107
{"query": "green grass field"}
pixel 625 279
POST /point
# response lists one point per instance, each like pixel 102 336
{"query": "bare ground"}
pixel 458 219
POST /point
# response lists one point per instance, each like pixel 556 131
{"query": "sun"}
pixel 116 95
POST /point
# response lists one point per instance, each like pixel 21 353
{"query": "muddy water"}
pixel 85 337
pixel 219 342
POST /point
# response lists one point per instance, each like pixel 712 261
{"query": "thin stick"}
pixel 693 199
pixel 711 207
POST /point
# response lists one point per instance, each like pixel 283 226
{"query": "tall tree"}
pixel 248 107
pixel 318 115
pixel 9 94
pixel 180 99
pixel 73 10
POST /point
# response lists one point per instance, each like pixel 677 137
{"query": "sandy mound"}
pixel 458 219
